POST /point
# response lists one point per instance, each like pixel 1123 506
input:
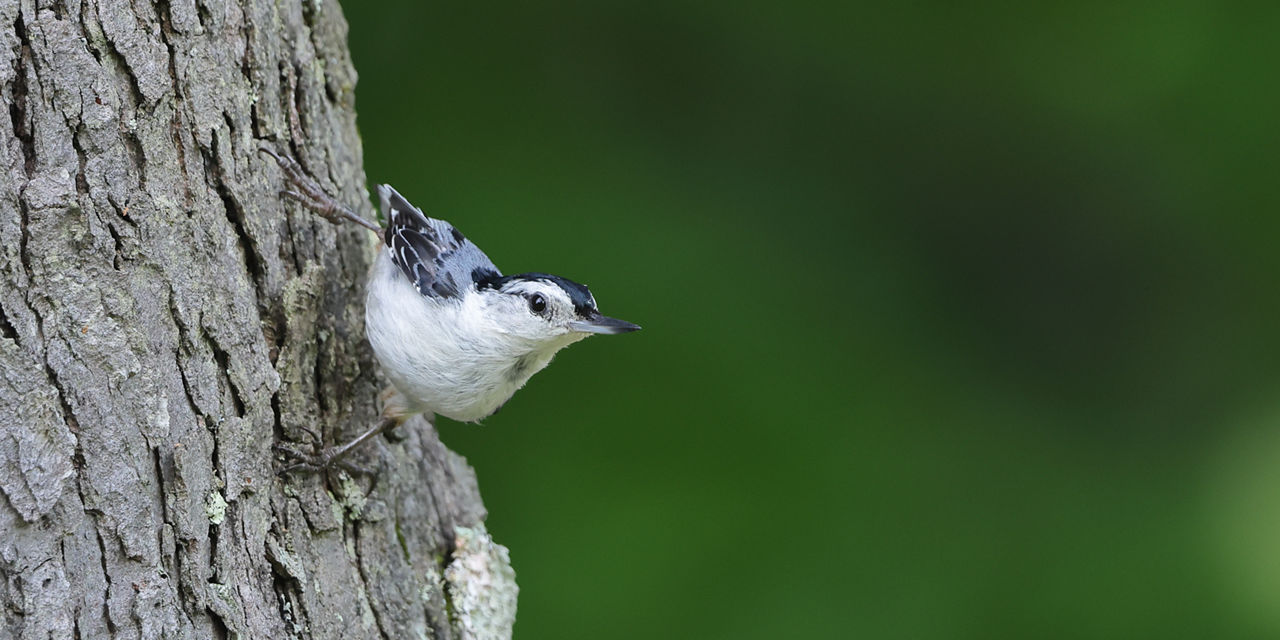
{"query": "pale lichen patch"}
pixel 481 585
pixel 215 507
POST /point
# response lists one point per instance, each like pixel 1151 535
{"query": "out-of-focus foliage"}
pixel 960 320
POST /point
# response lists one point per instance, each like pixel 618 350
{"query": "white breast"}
pixel 444 355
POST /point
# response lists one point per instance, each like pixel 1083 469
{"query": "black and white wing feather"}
pixel 437 258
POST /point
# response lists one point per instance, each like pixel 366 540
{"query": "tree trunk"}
pixel 165 318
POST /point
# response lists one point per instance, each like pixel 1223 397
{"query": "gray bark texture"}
pixel 165 318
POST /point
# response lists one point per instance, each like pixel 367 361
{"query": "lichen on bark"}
pixel 165 318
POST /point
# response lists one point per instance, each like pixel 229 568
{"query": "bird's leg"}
pixel 330 457
pixel 305 190
pixel 395 407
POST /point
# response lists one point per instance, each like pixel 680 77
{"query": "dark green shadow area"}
pixel 958 322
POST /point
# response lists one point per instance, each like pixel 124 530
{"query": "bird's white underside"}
pixel 453 356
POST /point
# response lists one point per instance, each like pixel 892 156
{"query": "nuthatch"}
pixel 455 336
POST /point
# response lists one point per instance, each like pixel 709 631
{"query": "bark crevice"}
pixel 106 575
pixel 6 330
pixel 21 120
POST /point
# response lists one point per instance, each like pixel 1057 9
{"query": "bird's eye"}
pixel 537 303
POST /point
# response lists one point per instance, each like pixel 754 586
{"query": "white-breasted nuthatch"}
pixel 455 336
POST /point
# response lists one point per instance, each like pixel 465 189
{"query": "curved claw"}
pixel 292 169
pixel 294 195
pixel 271 152
pixel 297 466
pixel 315 435
pixel 301 460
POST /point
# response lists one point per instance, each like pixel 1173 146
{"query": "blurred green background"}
pixel 960 321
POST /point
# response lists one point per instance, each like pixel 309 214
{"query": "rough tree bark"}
pixel 165 318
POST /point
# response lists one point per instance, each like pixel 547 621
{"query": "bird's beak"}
pixel 597 323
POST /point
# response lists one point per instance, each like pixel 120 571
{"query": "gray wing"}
pixel 437 258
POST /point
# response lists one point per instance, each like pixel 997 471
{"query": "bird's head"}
pixel 547 309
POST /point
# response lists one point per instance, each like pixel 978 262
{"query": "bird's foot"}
pixel 327 459
pixel 330 457
pixel 305 190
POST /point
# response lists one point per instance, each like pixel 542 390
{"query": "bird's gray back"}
pixel 435 256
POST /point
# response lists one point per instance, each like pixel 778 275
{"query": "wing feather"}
pixel 431 253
